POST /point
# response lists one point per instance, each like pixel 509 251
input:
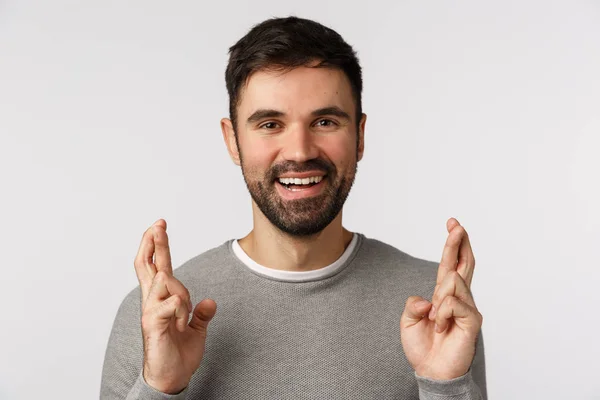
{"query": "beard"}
pixel 301 217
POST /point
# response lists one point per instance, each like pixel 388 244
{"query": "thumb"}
pixel 415 309
pixel 203 313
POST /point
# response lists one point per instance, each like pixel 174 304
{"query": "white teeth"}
pixel 298 181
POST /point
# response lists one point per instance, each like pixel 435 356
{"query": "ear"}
pixel 361 136
pixel 230 142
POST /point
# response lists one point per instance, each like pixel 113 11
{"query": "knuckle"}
pixel 175 299
pixel 161 276
pixel 170 303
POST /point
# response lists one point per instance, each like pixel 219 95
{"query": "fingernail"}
pixel 432 312
pixel 422 303
pixel 437 328
pixel 191 305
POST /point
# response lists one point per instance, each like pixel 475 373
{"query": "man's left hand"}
pixel 439 337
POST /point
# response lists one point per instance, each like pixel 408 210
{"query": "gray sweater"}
pixel 333 338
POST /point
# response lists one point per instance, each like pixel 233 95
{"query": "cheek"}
pixel 341 152
pixel 258 155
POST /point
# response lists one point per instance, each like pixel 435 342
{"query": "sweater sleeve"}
pixel 461 388
pixel 124 355
pixel 141 390
pixel 470 386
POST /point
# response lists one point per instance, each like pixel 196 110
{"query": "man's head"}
pixel 295 113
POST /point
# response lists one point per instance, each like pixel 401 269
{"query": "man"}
pixel 307 309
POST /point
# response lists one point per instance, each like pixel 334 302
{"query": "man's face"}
pixel 297 144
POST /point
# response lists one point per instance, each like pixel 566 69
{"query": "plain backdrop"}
pixel 485 111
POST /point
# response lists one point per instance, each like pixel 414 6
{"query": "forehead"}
pixel 299 90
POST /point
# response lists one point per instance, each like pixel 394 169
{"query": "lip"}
pixel 312 191
pixel 301 175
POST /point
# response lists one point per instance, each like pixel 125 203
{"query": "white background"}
pixel 109 120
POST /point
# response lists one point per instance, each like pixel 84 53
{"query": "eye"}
pixel 325 123
pixel 269 125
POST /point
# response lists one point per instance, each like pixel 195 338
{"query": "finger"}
pixel 150 249
pixel 415 309
pixel 451 224
pixel 162 256
pixel 466 260
pixel 164 286
pixel 450 253
pixel 453 285
pixel 143 263
pixel 452 309
pixel 161 316
pixel 203 313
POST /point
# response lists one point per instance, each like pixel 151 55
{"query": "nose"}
pixel 299 145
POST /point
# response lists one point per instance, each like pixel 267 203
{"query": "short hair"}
pixel 287 43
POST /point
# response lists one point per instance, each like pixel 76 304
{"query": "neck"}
pixel 272 248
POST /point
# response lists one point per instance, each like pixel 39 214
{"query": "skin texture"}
pixel 173 348
pixel 439 336
pixel 300 234
pixel 296 137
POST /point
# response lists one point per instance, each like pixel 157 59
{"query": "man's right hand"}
pixel 173 349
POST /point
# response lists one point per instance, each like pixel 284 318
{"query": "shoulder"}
pixel 384 252
pixel 206 266
pixel 212 261
pixel 394 271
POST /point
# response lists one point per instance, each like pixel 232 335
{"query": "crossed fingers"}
pixel 155 272
pixel 457 254
pixel 452 298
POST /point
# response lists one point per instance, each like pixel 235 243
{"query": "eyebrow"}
pixel 271 113
pixel 333 110
pixel 264 113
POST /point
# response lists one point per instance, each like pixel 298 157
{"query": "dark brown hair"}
pixel 287 43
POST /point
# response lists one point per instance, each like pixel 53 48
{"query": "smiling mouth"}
pixel 299 184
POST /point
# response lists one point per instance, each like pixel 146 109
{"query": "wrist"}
pixel 438 375
pixel 448 388
pixel 166 386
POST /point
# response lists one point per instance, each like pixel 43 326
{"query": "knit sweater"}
pixel 335 337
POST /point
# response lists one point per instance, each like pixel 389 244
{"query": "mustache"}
pixel 292 166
